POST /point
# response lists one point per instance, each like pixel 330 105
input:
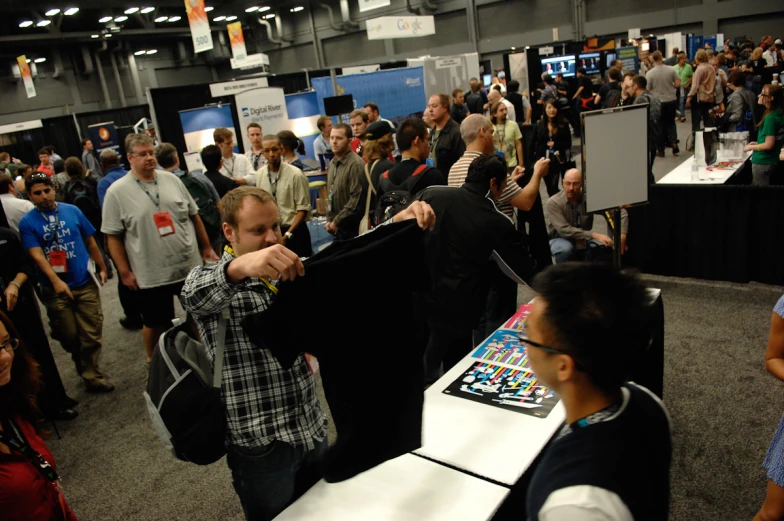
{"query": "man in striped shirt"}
pixel 477 132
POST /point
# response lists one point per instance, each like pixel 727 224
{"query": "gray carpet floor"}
pixel 724 407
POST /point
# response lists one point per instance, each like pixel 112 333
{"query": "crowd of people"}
pixel 227 235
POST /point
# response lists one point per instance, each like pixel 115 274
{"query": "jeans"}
pixel 668 133
pixel 78 325
pixel 682 102
pixel 760 174
pixel 700 111
pixel 564 250
pixel 268 479
pixel 447 344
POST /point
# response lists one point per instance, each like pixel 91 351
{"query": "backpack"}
pixel 207 210
pixel 184 395
pixel 397 198
pixel 612 100
pixel 83 195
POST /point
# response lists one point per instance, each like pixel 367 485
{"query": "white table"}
pixel 681 174
pixel 407 488
pixel 488 441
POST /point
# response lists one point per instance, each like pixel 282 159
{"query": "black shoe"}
pixel 131 325
pixel 675 149
pixel 61 414
pixel 69 402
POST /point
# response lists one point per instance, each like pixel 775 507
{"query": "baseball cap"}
pixel 778 41
pixel 378 130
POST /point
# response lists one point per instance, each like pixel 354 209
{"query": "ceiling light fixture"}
pixel 208 9
pixel 146 10
pixel 161 19
pixel 251 9
pixel 43 23
pixel 26 23
pixel 219 18
pixel 265 8
pixel 296 9
pixel 52 12
pixel 268 16
pixel 71 11
pixel 231 18
pixel 175 18
pixel 107 35
pixel 95 36
pixel 131 10
pixel 105 19
pixel 28 60
pixel 152 51
pixel 121 19
pixel 39 60
pixel 139 53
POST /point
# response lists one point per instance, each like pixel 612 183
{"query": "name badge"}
pixel 58 260
pixel 329 201
pixel 163 222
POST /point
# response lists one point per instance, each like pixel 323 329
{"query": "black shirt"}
pixel 449 145
pixel 401 171
pixel 604 92
pixel 516 99
pixel 222 183
pixel 458 112
pixel 476 102
pixel 368 330
pixel 587 85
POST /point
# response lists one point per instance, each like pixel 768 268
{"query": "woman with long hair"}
pixel 29 483
pixel 552 135
pixel 766 149
pixel 376 153
pixel 507 138
pixel 291 145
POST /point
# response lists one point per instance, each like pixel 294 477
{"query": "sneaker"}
pixel 99 385
pixel 130 325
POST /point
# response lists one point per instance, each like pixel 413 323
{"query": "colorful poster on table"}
pixel 514 389
pixel 200 25
pixel 27 76
pixel 503 346
pixel 237 40
pixel 519 319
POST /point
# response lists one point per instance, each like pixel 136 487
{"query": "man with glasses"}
pixel 289 188
pixel 155 236
pixel 60 240
pixel 611 459
pixel 571 234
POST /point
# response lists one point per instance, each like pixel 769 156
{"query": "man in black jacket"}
pixel 446 145
pixel 469 231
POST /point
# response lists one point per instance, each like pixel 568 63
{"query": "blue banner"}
pixel 693 44
pixel 199 124
pixel 399 93
pixel 103 136
pixel 303 110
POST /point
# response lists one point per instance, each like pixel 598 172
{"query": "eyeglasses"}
pixel 10 345
pixel 763 95
pixel 145 154
pixel 548 349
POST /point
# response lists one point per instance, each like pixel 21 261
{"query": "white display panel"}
pixel 615 157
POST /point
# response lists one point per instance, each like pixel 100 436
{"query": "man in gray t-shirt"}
pixel 663 83
pixel 155 236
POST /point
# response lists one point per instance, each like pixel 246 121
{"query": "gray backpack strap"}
pixel 223 323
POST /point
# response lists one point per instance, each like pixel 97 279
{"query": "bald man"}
pixel 495 95
pixel 571 235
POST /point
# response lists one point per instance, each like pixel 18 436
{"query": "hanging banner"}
pixel 630 57
pixel 237 42
pixel 27 76
pixel 369 5
pixel 103 136
pixel 200 25
pixel 387 27
pixel 265 106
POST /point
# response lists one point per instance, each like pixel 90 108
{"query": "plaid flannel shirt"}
pixel 264 402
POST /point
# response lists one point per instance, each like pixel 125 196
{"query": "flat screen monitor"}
pixel 610 57
pixel 560 65
pixel 591 62
pixel 487 79
pixel 337 105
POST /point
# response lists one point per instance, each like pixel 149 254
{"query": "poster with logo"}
pixel 265 106
pixel 399 93
pixel 27 76
pixel 630 57
pixel 387 27
pixel 103 136
pixel 200 25
pixel 237 40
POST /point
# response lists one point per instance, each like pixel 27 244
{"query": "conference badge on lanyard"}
pixel 163 222
pixel 58 259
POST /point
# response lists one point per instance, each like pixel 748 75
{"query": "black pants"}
pixel 668 133
pixel 536 235
pixel 27 319
pixel 128 302
pixel 500 305
pixel 700 112
pixel 300 240
pixel 347 233
pixel 651 159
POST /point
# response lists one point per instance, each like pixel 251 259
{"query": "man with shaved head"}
pixel 571 235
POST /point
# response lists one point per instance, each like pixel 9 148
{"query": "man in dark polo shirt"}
pixel 446 145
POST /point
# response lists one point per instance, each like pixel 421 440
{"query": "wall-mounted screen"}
pixel 591 62
pixel 609 58
pixel 559 65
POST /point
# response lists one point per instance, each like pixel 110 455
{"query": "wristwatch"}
pixel 288 235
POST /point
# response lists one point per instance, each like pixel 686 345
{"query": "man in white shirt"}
pixel 495 95
pixel 14 207
pixel 233 166
pixel 255 154
pixel 770 55
pixel 321 144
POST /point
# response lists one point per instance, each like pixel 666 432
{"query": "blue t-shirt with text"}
pixel 37 231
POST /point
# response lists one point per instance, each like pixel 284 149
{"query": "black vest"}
pixel 629 455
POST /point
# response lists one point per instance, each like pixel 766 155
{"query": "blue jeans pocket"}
pixel 255 453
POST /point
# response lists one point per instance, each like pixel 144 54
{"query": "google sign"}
pixel 387 27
